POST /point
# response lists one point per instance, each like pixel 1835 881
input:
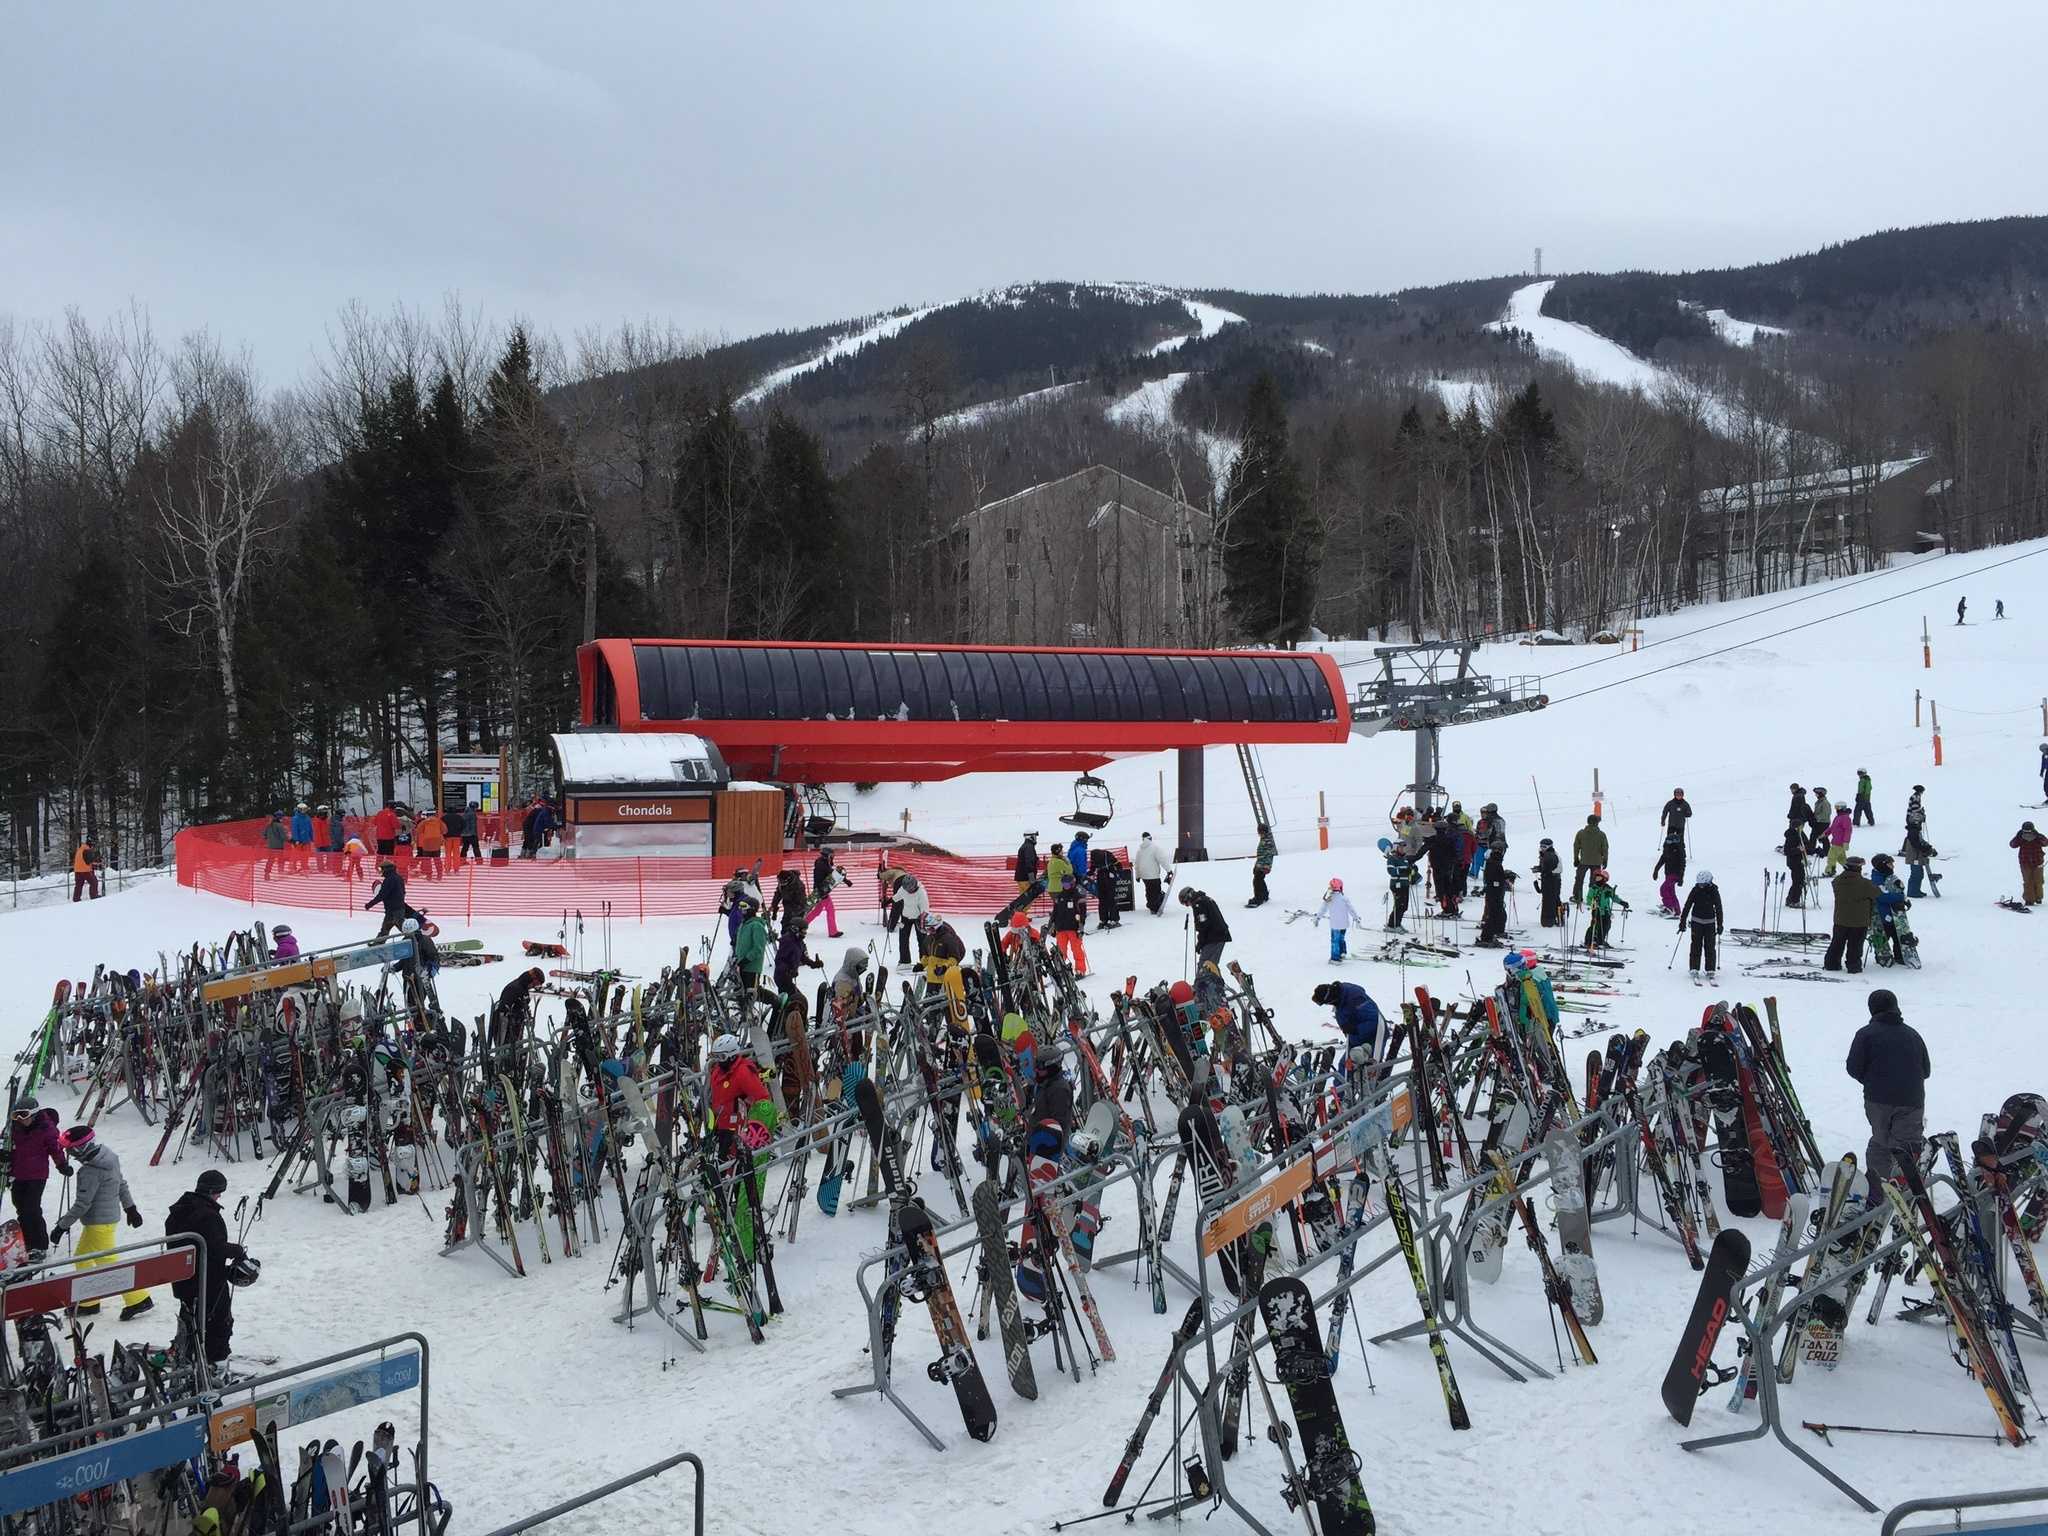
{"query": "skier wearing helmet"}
pixel 1676 813
pixel 1341 914
pixel 1703 916
pixel 1601 900
pixel 736 1087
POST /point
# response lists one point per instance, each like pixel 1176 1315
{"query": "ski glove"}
pixel 134 1217
pixel 58 1230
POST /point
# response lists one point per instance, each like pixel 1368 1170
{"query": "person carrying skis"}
pixel 1589 852
pixel 1262 866
pixel 34 1144
pixel 1795 864
pixel 1402 875
pixel 1356 1014
pixel 1864 815
pixel 1890 1060
pixel 1152 870
pixel 196 1213
pixel 1340 914
pixel 1601 900
pixel 1549 884
pixel 1703 916
pixel 1676 813
pixel 390 895
pixel 1855 904
pixel 1069 912
pixel 826 877
pixel 1211 932
pixel 1494 882
pixel 735 1087
pixel 1840 830
pixel 2030 844
pixel 102 1199
pixel 1027 865
pixel 1671 865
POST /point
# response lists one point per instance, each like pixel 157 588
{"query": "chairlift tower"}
pixel 1423 688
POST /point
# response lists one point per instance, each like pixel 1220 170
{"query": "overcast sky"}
pixel 251 167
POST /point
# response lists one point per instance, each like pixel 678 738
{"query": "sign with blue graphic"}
pixel 99 1465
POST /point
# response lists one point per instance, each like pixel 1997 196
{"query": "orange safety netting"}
pixel 229 859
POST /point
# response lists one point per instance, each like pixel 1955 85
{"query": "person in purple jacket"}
pixel 37 1143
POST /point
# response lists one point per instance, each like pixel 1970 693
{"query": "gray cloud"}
pixel 251 167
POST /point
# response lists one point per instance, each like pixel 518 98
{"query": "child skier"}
pixel 1602 899
pixel 1702 913
pixel 1671 864
pixel 1890 938
pixel 1401 876
pixel 1841 828
pixel 1341 914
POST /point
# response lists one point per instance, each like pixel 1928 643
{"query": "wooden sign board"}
pixel 1233 1221
pixel 612 811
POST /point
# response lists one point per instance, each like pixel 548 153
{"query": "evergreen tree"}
pixel 1273 540
pixel 793 584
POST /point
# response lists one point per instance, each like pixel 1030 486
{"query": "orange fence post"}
pixel 1934 719
pixel 1322 823
pixel 1596 791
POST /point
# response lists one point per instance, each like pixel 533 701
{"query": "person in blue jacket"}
pixel 1357 1014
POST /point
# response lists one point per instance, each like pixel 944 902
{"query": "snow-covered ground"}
pixel 991 410
pixel 1739 333
pixel 1208 318
pixel 1586 350
pixel 1149 409
pixel 537 1394
pixel 839 346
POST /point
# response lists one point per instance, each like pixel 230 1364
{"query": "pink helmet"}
pixel 1336 884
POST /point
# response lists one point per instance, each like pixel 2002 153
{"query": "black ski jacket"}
pixel 192 1213
pixel 1052 1102
pixel 1069 911
pixel 1799 813
pixel 1027 861
pixel 1889 1059
pixel 390 893
pixel 1676 814
pixel 1209 925
pixel 1702 907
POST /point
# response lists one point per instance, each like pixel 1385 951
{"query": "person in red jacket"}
pixel 736 1087
pixel 37 1143
pixel 385 825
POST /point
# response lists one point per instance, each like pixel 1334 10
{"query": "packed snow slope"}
pixel 537 1394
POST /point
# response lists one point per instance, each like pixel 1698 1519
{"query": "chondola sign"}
pixel 610 811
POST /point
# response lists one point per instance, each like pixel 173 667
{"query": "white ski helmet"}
pixel 1704 877
pixel 725 1048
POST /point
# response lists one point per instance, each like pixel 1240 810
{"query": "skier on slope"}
pixel 1703 916
pixel 1445 839
pixel 826 877
pixel 1340 914
pixel 1917 852
pixel 1840 830
pixel 1864 814
pixel 1823 818
pixel 1671 865
pixel 1888 935
pixel 35 1142
pixel 1402 876
pixel 1676 813
pixel 1962 607
pixel 1069 913
pixel 1549 884
pixel 2044 772
pixel 1795 850
pixel 2030 845
pixel 1262 866
pixel 390 895
pixel 1601 900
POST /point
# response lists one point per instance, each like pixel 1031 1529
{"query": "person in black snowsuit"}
pixel 1549 873
pixel 514 1009
pixel 1028 866
pixel 1671 865
pixel 1211 931
pixel 1444 842
pixel 1890 1060
pixel 1795 864
pixel 790 900
pixel 1703 915
pixel 1494 881
pixel 390 894
pixel 1799 813
pixel 1677 812
pixel 196 1213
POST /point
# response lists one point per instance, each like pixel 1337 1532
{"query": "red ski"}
pixel 1770 1178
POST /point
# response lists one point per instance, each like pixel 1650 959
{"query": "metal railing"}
pixel 616 1485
